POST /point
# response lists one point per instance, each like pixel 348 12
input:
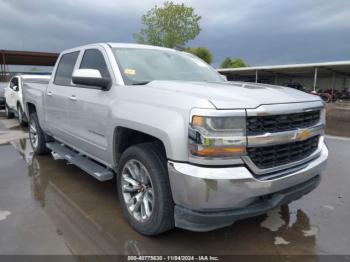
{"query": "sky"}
pixel 262 32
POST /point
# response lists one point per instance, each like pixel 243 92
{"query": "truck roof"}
pixel 118 45
pixel 129 45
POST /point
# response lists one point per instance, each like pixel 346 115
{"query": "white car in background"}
pixel 14 95
pixel 2 94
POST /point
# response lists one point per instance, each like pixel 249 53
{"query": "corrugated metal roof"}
pixel 11 57
pixel 324 69
pixel 288 66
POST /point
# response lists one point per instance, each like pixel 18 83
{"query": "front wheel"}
pixel 144 189
pixel 8 112
pixel 37 136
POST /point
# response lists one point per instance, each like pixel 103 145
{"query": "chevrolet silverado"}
pixel 185 147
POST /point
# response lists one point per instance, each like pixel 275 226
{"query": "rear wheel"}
pixel 9 114
pixel 21 116
pixel 37 136
pixel 144 189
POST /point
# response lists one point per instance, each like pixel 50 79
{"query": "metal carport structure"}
pixel 331 75
pixel 10 57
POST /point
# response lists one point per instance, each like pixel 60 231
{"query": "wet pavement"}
pixel 51 207
pixel 338 119
pixel 9 130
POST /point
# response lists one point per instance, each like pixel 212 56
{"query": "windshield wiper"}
pixel 135 83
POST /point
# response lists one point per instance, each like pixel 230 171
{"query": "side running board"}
pixel 59 151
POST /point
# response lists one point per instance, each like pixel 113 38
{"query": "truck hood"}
pixel 235 95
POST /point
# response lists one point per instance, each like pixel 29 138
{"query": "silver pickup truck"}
pixel 185 147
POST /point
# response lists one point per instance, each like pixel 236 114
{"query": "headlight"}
pixel 217 137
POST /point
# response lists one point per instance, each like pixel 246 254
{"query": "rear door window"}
pixel 65 69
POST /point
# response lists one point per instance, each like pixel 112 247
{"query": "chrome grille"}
pixel 279 123
pixel 271 156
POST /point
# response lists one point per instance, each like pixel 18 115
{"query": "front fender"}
pixel 167 124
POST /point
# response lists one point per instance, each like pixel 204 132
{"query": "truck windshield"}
pixel 140 66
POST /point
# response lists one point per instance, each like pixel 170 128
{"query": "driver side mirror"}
pixel 90 77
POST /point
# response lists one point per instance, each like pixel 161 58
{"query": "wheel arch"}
pixel 31 108
pixel 125 137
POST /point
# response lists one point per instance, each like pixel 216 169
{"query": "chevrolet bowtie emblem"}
pixel 302 135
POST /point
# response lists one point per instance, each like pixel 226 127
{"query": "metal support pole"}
pixel 1 71
pixel 315 79
pixel 333 83
pixel 256 76
pixel 3 67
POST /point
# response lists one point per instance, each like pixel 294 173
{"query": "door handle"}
pixel 49 93
pixel 73 98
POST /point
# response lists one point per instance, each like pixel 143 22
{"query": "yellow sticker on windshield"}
pixel 129 71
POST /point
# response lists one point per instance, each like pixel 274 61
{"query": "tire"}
pixel 155 188
pixel 21 116
pixel 37 136
pixel 9 114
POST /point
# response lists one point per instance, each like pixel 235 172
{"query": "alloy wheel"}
pixel 137 190
pixel 33 134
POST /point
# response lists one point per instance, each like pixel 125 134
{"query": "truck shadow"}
pixel 87 215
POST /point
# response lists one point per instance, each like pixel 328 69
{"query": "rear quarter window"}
pixel 65 69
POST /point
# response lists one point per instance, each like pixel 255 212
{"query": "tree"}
pixel 230 63
pixel 171 25
pixel 202 52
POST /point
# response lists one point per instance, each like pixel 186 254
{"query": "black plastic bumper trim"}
pixel 206 221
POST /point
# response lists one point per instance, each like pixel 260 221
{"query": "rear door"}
pixel 57 97
pixel 89 110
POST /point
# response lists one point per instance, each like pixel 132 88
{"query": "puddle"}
pixel 313 231
pixel 328 207
pixel 4 214
pixel 338 127
pixel 273 220
pixel 10 131
pixel 11 124
pixel 338 119
pixel 281 241
pixel 86 214
pixel 12 136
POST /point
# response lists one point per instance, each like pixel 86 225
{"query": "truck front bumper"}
pixel 207 198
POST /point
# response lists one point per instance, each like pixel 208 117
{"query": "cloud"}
pixel 259 31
